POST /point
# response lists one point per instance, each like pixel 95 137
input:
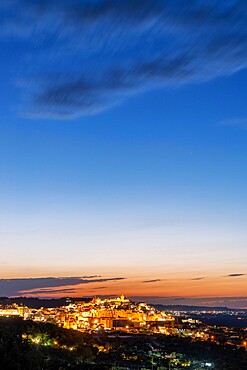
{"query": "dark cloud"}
pixel 198 278
pixel 151 281
pixel 234 275
pixel 48 291
pixel 81 57
pixel 14 287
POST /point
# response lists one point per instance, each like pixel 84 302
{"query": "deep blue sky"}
pixel 123 143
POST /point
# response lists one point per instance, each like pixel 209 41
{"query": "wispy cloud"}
pixel 81 57
pixel 151 281
pixel 198 278
pixel 48 291
pixel 13 287
pixel 237 122
pixel 234 275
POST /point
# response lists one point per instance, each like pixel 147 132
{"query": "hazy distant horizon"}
pixel 229 302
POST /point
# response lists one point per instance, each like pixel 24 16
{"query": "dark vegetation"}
pixel 27 345
pixel 32 302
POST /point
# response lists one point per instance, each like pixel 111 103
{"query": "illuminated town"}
pixel 120 313
pixel 146 335
pixel 107 314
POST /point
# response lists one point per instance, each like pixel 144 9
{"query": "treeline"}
pixel 33 302
pixel 28 345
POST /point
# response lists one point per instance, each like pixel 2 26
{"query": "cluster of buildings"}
pixel 112 313
pixel 132 317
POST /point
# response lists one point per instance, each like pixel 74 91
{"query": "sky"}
pixel 123 129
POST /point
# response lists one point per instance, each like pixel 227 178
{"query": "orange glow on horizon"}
pixel 220 287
